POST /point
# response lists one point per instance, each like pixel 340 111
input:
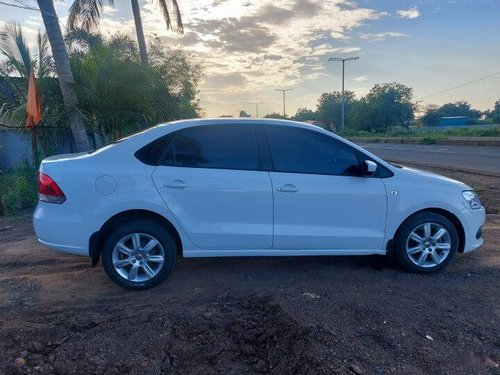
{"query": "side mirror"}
pixel 368 167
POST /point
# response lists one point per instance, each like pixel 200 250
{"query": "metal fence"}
pixel 19 159
pixel 16 145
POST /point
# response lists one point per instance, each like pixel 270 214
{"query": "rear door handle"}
pixel 288 188
pixel 175 184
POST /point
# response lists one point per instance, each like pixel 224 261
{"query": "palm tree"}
pixel 14 83
pixel 66 80
pixel 13 46
pixel 85 14
pixel 19 62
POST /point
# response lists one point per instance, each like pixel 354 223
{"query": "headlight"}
pixel 472 198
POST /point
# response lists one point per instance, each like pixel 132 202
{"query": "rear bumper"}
pixel 65 230
pixel 473 223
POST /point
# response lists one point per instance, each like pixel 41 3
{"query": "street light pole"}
pixel 284 99
pixel 343 96
pixel 257 108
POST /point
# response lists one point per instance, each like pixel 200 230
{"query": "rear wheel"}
pixel 426 243
pixel 139 254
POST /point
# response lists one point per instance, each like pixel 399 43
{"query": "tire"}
pixel 138 254
pixel 417 251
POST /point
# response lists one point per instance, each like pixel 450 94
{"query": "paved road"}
pixel 471 158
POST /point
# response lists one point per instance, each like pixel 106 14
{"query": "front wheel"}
pixel 426 243
pixel 139 254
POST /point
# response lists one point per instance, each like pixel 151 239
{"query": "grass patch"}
pixel 18 190
pixel 439 132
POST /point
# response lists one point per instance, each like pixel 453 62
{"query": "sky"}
pixel 251 48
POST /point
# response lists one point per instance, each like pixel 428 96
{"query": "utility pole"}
pixel 343 96
pixel 257 108
pixel 284 99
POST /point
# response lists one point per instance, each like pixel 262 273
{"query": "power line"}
pixel 461 85
pixel 27 7
pixel 22 3
pixel 23 6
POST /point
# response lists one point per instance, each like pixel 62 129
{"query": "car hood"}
pixel 418 176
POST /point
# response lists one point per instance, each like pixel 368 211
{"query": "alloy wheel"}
pixel 138 257
pixel 428 245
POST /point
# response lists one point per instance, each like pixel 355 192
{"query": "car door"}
pixel 320 199
pixel 211 181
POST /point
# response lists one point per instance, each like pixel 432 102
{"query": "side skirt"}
pixel 279 252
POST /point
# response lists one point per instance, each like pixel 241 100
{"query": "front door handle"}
pixel 288 188
pixel 176 184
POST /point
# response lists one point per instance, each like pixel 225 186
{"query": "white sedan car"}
pixel 246 187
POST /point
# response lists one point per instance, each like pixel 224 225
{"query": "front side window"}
pixel 222 147
pixel 303 151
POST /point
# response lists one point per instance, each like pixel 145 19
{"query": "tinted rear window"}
pixel 222 147
pixel 152 152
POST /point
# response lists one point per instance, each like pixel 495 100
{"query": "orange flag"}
pixel 34 103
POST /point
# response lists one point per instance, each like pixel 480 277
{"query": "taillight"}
pixel 48 191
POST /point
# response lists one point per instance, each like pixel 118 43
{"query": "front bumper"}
pixel 473 222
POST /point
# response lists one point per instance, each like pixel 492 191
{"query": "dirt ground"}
pixel 305 315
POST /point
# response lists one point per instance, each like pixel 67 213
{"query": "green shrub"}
pixel 427 141
pixel 19 190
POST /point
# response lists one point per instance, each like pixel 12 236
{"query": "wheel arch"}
pixel 447 214
pixel 97 239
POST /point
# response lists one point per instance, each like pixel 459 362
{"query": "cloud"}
pixel 360 78
pixel 409 13
pixel 246 47
pixel 378 37
pixel 227 80
pixel 326 49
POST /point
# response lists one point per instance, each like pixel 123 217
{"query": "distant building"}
pixel 454 120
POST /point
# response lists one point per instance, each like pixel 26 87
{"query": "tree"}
pixel 434 113
pixel 460 108
pixel 304 114
pixel 13 46
pixel 496 108
pixel 12 89
pixel 329 107
pixel 65 75
pixel 276 115
pixel 119 95
pixel 361 116
pixel 14 78
pixel 244 114
pixel 493 114
pixel 390 104
pixel 431 116
pixel 85 15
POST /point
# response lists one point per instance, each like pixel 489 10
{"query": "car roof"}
pixel 239 120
